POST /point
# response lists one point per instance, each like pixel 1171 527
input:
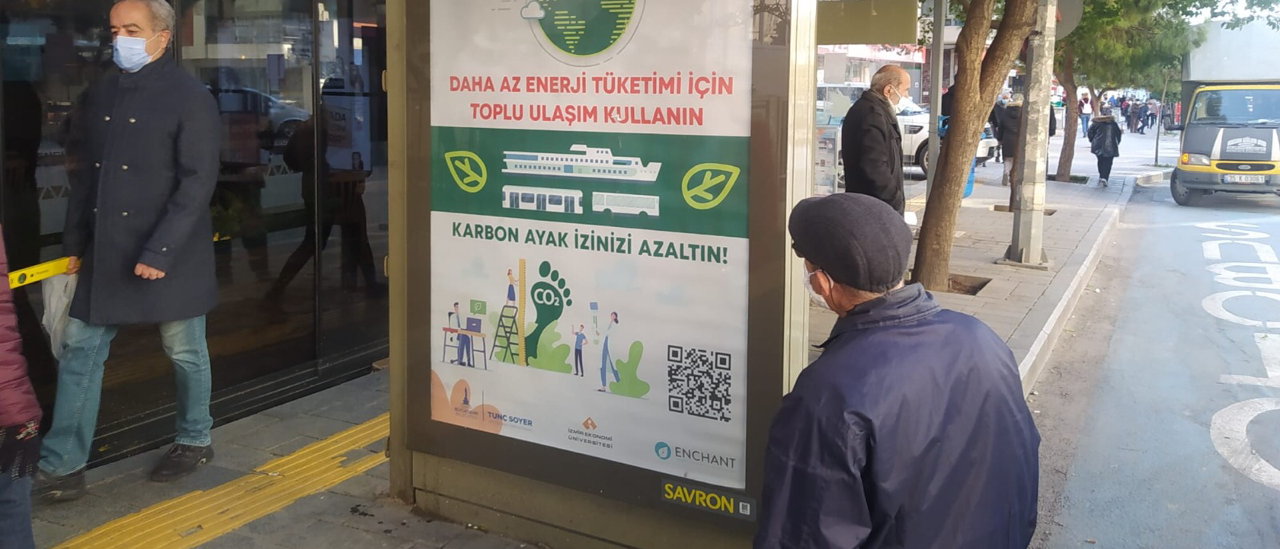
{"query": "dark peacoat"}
pixel 873 150
pixel 144 160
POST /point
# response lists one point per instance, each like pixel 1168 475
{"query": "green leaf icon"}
pixel 467 169
pixel 707 185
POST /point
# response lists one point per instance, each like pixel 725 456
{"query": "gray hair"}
pixel 888 75
pixel 162 15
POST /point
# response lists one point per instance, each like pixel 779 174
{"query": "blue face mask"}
pixel 130 53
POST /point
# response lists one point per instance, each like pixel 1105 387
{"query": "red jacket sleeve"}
pixel 18 403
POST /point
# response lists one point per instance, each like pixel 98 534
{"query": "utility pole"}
pixel 1027 246
pixel 936 48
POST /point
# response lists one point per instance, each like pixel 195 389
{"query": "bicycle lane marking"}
pixel 1229 427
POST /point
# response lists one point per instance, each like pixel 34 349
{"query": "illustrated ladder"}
pixel 507 337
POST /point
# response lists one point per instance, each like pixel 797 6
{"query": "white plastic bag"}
pixel 57 291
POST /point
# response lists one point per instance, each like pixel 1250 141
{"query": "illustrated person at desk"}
pixel 464 341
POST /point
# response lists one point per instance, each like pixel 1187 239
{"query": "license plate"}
pixel 1233 178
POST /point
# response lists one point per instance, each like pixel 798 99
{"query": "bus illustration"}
pixel 583 162
pixel 567 201
pixel 628 204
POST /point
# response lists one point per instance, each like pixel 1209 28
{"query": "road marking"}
pixel 1227 273
pixel 1226 226
pixel 1266 254
pixel 1216 306
pixel 1269 347
pixel 1229 431
pixel 199 517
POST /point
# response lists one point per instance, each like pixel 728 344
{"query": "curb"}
pixel 1153 176
pixel 1038 356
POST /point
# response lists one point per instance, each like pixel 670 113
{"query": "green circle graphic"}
pixel 585 28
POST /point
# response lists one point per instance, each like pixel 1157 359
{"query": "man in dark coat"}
pixel 872 140
pixel 138 231
pixel 911 429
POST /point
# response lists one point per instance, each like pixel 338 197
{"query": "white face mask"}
pixel 814 297
pixel 130 53
pixel 898 105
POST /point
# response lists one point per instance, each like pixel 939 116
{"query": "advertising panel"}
pixel 589 219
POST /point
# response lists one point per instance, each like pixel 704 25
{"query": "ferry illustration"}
pixel 582 161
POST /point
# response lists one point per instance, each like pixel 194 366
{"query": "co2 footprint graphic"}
pixel 550 297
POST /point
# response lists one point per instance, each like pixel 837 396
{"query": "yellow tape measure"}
pixel 32 275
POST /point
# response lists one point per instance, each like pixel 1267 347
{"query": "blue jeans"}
pixel 606 364
pixel 15 513
pixel 1084 124
pixel 75 413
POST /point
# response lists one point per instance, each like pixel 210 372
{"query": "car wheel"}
pixel 1182 195
pixel 922 158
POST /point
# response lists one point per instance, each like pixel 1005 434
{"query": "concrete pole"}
pixel 1027 247
pixel 936 48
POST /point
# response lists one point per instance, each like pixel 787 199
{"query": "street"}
pixel 1160 422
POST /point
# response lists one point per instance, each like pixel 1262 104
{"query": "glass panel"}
pixel 351 47
pixel 256 59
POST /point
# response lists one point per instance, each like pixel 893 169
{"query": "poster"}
pixel 589 221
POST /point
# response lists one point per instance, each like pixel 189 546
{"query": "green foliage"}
pixel 628 370
pixel 551 357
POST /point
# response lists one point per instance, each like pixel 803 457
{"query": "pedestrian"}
pixel 873 141
pixel 1153 113
pixel 1086 113
pixel 19 426
pixel 997 112
pixel 1011 136
pixel 1143 112
pixel 1104 141
pixel 910 430
pixel 139 234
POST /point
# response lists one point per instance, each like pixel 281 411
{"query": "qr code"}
pixel 698 382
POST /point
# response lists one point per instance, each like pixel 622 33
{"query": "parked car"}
pixel 285 118
pixel 914 123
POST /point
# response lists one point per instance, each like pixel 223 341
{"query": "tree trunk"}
pixel 1070 126
pixel 978 80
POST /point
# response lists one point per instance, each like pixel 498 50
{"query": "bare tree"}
pixel 979 78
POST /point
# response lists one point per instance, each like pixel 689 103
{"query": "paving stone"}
pixel 290 446
pixel 49 534
pixel 363 487
pixel 354 412
pixel 382 471
pixel 235 540
pixel 395 520
pixel 321 533
pixel 238 429
pixel 86 513
pixel 472 539
pixel 293 427
pixel 241 458
pixel 379 381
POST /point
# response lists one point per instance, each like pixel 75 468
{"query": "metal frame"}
pixel 781 172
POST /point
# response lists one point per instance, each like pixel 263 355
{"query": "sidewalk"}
pixel 1028 307
pixel 308 474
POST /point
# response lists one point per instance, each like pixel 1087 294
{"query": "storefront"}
pixel 303 293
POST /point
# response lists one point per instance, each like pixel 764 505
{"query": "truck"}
pixel 1231 138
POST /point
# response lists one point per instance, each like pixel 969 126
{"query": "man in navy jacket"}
pixel 910 431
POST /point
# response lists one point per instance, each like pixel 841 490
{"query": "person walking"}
pixel 997 111
pixel 1104 141
pixel 579 341
pixel 1011 136
pixel 1143 112
pixel 19 426
pixel 139 234
pixel 910 430
pixel 873 141
pixel 1086 113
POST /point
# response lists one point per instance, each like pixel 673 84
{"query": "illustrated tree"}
pixel 979 77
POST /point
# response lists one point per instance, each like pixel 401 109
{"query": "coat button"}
pixel 97 164
pixel 133 120
pixel 106 119
pixel 125 214
pixel 95 210
pixel 164 249
pixel 125 168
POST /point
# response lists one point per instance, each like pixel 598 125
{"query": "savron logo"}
pixel 582 32
pixel 707 185
pixel 467 169
pixel 708 499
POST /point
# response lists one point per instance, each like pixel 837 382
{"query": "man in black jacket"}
pixel 910 431
pixel 873 141
pixel 145 163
